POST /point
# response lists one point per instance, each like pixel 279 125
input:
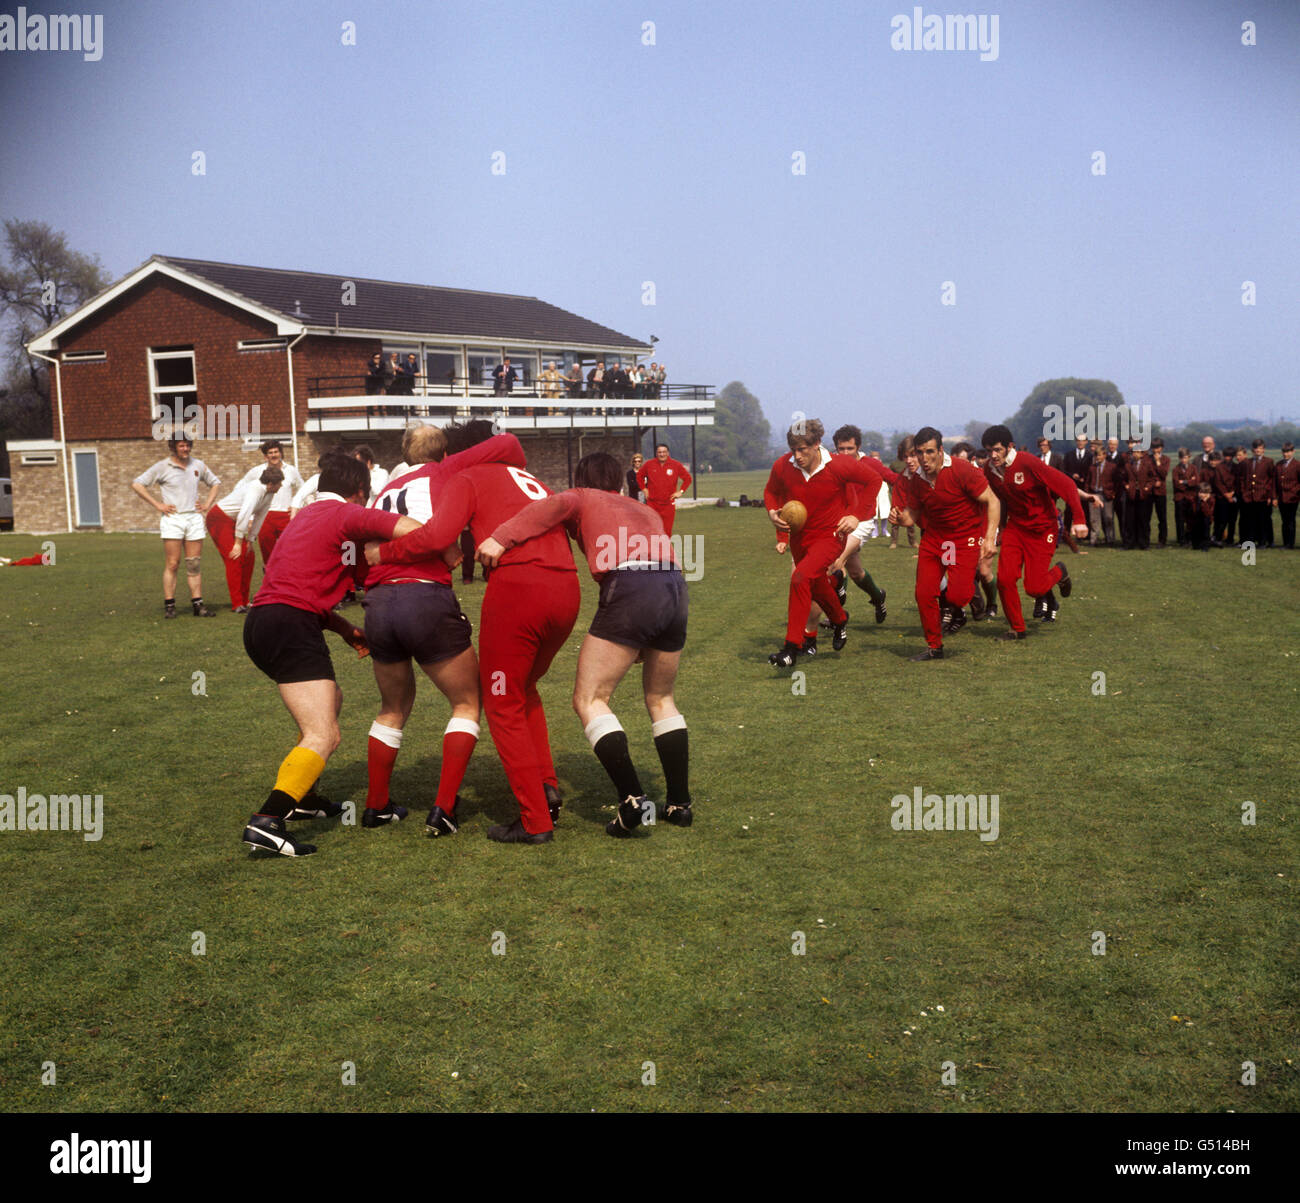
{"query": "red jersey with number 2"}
pixel 483 498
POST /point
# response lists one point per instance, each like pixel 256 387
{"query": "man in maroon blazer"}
pixel 1161 464
pixel 1101 482
pixel 1257 496
pixel 1186 479
pixel 1139 485
pixel 1286 483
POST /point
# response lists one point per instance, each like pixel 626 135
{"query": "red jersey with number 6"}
pixel 483 498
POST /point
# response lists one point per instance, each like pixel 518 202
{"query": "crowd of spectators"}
pixel 395 376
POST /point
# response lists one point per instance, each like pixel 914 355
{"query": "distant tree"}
pixel 42 281
pixel 1029 423
pixel 873 440
pixel 738 438
pixel 975 429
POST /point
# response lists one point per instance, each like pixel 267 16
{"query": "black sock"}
pixel 673 750
pixel 990 590
pixel 611 751
pixel 277 803
pixel 868 586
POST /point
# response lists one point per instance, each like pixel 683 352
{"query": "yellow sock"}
pixel 298 772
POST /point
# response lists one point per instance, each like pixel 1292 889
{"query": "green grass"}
pixel 1119 813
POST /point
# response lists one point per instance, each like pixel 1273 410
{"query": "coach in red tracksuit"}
pixel 945 498
pixel 824 484
pixel 664 481
pixel 1027 489
pixel 529 608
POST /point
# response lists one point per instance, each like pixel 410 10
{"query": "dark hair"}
pixel 270 445
pixel 460 437
pixel 906 446
pixel 1257 443
pixel 1288 446
pixel 996 434
pixel 343 474
pixel 925 434
pixel 964 448
pixel 846 433
pixel 364 453
pixel 1228 452
pixel 180 438
pixel 272 476
pixel 1157 442
pixel 665 447
pixel 599 470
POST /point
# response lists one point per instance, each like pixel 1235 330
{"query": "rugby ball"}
pixel 794 514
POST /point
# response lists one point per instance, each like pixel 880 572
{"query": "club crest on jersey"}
pixel 1019 478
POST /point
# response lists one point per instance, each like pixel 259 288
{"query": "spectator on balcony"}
pixel 596 380
pixel 504 377
pixel 574 380
pixel 552 383
pixel 636 378
pixel 617 381
pixel 660 377
pixel 375 378
pixel 404 383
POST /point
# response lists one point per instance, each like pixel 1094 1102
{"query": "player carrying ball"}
pixel 824 484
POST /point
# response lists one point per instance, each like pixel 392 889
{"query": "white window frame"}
pixel 39 459
pixel 84 357
pixel 169 390
pixel 262 344
pixel 99 484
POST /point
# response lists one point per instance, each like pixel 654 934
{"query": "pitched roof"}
pixel 316 299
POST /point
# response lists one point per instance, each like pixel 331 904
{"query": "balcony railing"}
pixel 337 403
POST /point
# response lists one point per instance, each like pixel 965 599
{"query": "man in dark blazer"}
pixel 1286 484
pixel 1161 464
pixel 1257 496
pixel 1077 461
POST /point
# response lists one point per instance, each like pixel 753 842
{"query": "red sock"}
pixel 457 747
pixel 381 755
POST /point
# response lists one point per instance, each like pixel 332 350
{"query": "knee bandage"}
pixel 192 564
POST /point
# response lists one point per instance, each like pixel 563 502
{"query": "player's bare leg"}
pixel 458 680
pixel 669 728
pixel 602 664
pixel 194 578
pixel 171 564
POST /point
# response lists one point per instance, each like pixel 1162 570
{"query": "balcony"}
pixel 341 404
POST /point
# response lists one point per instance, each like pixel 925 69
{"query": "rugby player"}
pixel 412 614
pixel 529 608
pixel 822 482
pixel 641 616
pixel 313 563
pixel 236 520
pixel 664 481
pixel 945 497
pixel 1028 489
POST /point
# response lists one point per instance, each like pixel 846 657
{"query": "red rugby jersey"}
pixel 483 498
pixel 950 507
pixel 610 529
pixel 826 492
pixel 415 495
pixel 660 481
pixel 1027 488
pixel 311 568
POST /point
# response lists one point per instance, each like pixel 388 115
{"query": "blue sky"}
pixel 671 162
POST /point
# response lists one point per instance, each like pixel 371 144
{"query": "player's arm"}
pixel 455 509
pixel 536 518
pixel 862 481
pixel 774 498
pixel 215 481
pixel 141 491
pixel 254 497
pixel 499 449
pixel 352 635
pixel 993 507
pixel 683 479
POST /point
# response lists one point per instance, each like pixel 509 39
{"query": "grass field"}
pixel 1120 813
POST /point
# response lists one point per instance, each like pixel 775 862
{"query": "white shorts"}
pixel 183 526
pixel 865 530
